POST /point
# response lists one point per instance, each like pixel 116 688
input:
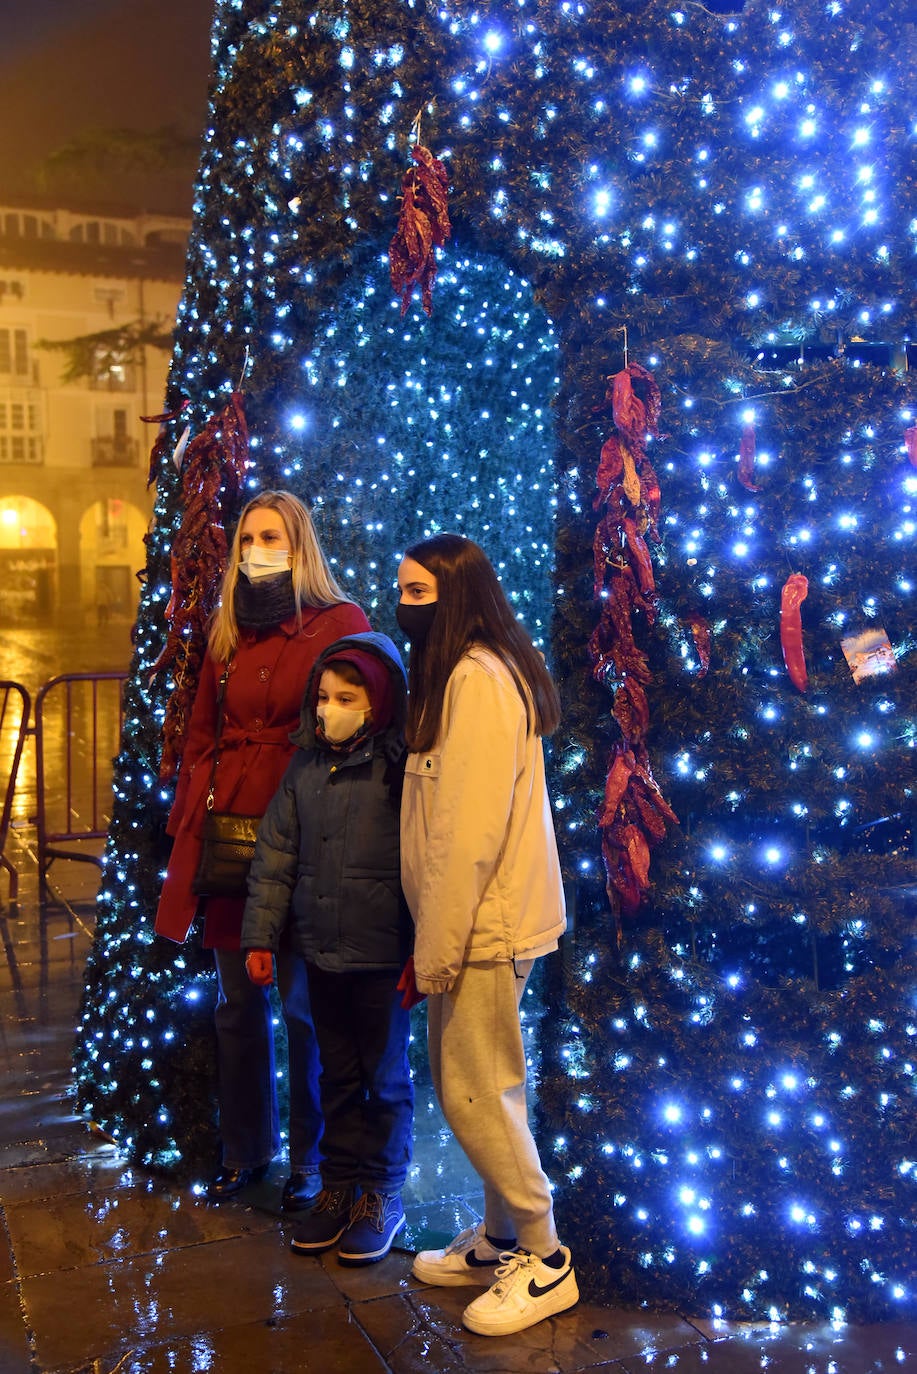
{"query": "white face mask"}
pixel 257 562
pixel 339 722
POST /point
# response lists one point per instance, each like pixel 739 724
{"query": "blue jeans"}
pixel 249 1117
pixel 366 1089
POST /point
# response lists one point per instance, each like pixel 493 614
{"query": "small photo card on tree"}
pixel 868 653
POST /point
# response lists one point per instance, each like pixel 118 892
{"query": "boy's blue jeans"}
pixel 249 1117
pixel 367 1094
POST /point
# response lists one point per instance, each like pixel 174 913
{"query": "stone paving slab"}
pixel 14 1346
pixel 586 1337
pixel 38 1112
pixel 92 1171
pixel 135 1218
pixel 409 1345
pixel 99 1312
pixel 368 1282
pixel 325 1342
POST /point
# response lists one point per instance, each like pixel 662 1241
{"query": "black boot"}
pixel 325 1222
pixel 300 1191
pixel 228 1182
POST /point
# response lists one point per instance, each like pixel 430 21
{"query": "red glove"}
pixel 259 965
pixel 408 986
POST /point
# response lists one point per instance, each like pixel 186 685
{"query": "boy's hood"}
pixel 381 647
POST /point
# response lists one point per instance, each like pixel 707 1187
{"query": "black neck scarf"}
pixel 265 602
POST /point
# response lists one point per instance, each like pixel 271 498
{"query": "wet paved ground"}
pixel 106 1270
pixel 33 654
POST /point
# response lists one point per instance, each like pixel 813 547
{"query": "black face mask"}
pixel 415 621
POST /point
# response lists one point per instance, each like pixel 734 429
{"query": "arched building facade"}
pixel 82 294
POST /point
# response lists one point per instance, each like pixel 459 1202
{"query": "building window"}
pixel 14 352
pixel 28 227
pixel 117 449
pixel 111 370
pixel 109 296
pixel 20 434
pixel 100 231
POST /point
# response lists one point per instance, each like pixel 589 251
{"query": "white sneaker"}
pixel 526 1291
pixel 470 1258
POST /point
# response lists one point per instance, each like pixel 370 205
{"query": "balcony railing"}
pixel 115 451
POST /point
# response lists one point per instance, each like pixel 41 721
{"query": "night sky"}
pixel 68 66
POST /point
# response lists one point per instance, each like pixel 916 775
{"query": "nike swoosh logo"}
pixel 536 1291
pixel 473 1262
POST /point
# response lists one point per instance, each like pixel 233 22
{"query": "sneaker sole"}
pixel 354 1258
pixel 315 1247
pixel 493 1324
pixel 476 1277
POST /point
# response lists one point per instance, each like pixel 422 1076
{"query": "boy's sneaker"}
pixel 325 1222
pixel 470 1258
pixel 375 1220
pixel 526 1291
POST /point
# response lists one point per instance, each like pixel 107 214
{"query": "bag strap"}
pixel 221 692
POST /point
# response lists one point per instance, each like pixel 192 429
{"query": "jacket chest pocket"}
pixel 422 766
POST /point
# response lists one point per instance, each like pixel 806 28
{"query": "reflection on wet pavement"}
pixel 104 1268
pixel 33 654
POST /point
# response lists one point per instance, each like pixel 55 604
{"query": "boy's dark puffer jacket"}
pixel 328 846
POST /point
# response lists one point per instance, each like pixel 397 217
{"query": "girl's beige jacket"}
pixel 479 861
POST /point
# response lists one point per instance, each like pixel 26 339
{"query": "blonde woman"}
pixel 280 608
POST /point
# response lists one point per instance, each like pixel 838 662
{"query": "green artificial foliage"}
pixel 727 1088
pixel 96 355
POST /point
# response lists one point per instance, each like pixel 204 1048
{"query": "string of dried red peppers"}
pixel 634 813
pixel 212 473
pixel 423 225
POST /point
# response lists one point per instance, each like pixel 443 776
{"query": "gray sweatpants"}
pixel 477 1060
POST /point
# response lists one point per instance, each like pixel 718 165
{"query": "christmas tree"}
pixel 654 209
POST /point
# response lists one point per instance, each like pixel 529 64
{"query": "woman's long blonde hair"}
pixel 314 583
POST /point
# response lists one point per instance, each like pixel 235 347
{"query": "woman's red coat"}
pixel 267 678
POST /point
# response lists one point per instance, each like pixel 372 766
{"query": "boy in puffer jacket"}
pixel 327 866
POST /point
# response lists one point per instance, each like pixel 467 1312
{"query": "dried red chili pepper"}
pixel 910 443
pixel 700 630
pixel 611 466
pixel 616 784
pixel 795 591
pixel 747 459
pixel 640 560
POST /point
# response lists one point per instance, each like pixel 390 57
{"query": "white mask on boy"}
pixel 257 562
pixel 339 722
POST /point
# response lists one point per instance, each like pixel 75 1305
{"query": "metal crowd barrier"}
pixel 15 714
pixel 78 719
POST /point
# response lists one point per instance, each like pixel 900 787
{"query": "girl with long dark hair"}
pixel 482 880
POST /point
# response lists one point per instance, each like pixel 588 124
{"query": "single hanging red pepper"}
pixel 795 591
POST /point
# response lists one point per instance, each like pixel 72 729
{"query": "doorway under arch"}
pixel 28 560
pixel 111 550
